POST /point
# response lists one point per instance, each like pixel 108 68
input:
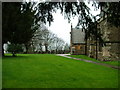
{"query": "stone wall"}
pixel 110 36
pixel 91 47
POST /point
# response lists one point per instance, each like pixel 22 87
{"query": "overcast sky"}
pixel 62 28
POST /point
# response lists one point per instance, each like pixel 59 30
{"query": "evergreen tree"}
pixel 19 22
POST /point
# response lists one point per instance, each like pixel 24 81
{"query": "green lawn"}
pixel 115 63
pixel 51 71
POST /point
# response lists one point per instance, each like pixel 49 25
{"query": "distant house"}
pixel 77 41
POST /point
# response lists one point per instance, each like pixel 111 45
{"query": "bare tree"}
pixel 37 41
pixel 59 44
pixel 44 38
pixel 66 48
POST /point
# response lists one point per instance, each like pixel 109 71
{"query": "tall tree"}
pixel 112 11
pixel 10 15
pixel 21 22
pixel 31 25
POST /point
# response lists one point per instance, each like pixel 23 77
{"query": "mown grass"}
pixel 115 63
pixel 51 71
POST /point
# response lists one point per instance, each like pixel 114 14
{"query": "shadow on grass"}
pixel 10 56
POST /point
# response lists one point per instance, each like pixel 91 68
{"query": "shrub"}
pixel 15 48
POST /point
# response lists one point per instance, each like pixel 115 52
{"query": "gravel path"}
pixel 103 64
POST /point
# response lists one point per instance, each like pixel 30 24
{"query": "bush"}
pixel 15 48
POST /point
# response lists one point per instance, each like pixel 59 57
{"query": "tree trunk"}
pixel 2 50
pixel 96 42
pixel 56 51
pixel 86 43
pixel 40 48
pixel 96 49
pixel 13 54
pixel 46 48
pixel 26 46
pixel 86 47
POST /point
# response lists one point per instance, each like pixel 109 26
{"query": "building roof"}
pixel 77 36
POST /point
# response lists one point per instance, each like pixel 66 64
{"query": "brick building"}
pixel 77 41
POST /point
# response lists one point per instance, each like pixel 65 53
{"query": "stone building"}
pixel 77 41
pixel 110 35
pixel 111 38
